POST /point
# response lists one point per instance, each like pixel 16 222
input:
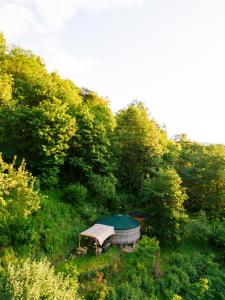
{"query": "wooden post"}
pixel 96 248
pixel 113 240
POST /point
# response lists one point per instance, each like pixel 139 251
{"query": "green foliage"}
pixel 199 228
pixel 138 144
pixel 219 235
pixel 127 291
pixel 90 148
pixel 2 44
pixel 192 277
pixel 65 90
pixel 90 264
pixel 31 280
pixel 18 197
pixel 29 75
pixel 42 132
pixel 164 197
pixel 53 229
pixel 97 288
pixel 103 189
pixel 123 201
pixel 70 134
pixel 212 233
pixel 76 194
pixel 202 171
pixel 147 247
pixel 6 91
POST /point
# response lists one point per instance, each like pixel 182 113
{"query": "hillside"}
pixel 67 161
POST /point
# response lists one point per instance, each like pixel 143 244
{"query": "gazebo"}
pixel 99 233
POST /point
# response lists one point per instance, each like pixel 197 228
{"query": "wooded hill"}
pixel 67 160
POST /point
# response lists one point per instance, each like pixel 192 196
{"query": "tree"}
pixel 31 81
pixel 164 198
pixel 138 144
pixel 40 134
pixel 30 77
pixel 6 81
pixel 3 45
pixel 31 280
pixel 90 149
pixel 6 91
pixel 65 90
pixel 202 171
pixel 103 189
pixel 18 196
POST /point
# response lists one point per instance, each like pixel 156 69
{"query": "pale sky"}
pixel 169 54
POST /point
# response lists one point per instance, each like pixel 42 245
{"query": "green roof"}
pixel 120 222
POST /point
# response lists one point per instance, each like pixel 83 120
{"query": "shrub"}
pixel 57 225
pixel 75 194
pixel 53 229
pixel 104 189
pixel 31 280
pixel 18 197
pixel 147 248
pixel 199 228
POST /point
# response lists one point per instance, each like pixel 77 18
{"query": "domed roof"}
pixel 120 222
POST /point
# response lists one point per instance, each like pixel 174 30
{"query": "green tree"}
pixel 6 91
pixel 164 198
pixel 31 280
pixel 202 171
pixel 3 45
pixel 65 90
pixel 18 196
pixel 30 77
pixel 138 144
pixel 31 81
pixel 40 134
pixel 90 149
pixel 103 189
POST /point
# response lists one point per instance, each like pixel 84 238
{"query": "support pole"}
pixel 113 240
pixel 96 247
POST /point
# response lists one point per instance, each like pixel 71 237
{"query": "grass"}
pixel 90 262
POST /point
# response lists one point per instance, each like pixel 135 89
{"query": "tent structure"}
pixel 99 233
pixel 140 217
pixel 127 230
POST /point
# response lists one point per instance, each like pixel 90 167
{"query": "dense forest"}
pixel 67 160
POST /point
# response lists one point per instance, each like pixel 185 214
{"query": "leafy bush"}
pixel 75 194
pixel 31 280
pixel 18 197
pixel 193 277
pixel 219 234
pixel 199 228
pixel 57 225
pixel 164 197
pixel 218 237
pixel 203 229
pixel 123 201
pixel 126 291
pixel 147 248
pixel 103 189
pixel 53 229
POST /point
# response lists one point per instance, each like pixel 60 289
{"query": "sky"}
pixel 168 54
